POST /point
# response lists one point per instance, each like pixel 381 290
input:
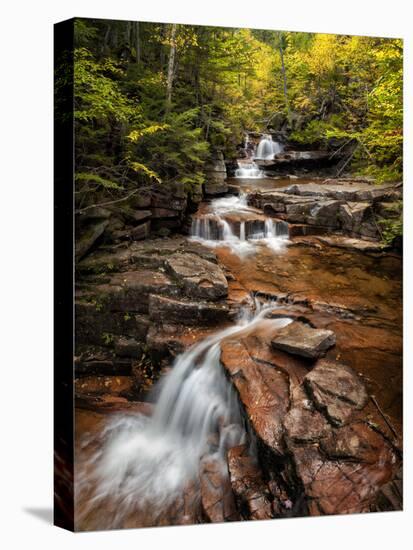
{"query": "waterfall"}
pixel 214 229
pixel 267 148
pixel 149 461
pixel 248 170
pixel 242 231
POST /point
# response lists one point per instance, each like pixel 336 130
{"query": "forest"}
pixel 153 101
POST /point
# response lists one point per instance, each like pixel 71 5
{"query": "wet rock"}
pixel 336 390
pixel 217 498
pixel 251 492
pixel 163 309
pixel 303 340
pixel 198 277
pixel 88 238
pixel 263 391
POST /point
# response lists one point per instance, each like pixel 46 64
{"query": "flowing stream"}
pixel 149 461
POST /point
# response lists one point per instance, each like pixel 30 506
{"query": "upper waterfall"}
pixel 267 148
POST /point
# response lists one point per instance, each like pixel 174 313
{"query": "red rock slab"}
pixel 263 391
pixel 259 349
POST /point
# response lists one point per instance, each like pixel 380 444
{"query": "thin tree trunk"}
pixel 284 75
pixel 137 42
pixel 171 67
pixel 128 30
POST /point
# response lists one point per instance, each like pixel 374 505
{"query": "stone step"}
pixel 171 310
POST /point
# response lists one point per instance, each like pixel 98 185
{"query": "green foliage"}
pixel 319 88
pixel 393 227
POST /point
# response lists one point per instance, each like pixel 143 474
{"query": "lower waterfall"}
pixel 151 460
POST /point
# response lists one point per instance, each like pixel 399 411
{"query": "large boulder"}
pixel 263 392
pixel 301 339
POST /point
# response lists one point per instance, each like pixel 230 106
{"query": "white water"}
pixel 267 148
pixel 213 229
pixel 149 461
pixel 248 170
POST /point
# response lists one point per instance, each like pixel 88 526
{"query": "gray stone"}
pixel 303 340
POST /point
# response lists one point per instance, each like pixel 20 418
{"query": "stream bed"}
pixel 215 440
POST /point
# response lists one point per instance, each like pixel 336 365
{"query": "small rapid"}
pixel 147 462
pixel 232 223
pixel 248 170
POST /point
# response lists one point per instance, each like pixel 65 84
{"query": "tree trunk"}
pixel 171 67
pixel 284 75
pixel 128 30
pixel 137 42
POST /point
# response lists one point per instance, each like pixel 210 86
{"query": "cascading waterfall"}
pixel 151 460
pixel 214 229
pixel 267 148
pixel 248 170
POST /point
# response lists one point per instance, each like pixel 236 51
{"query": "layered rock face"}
pixel 215 176
pixel 350 207
pixel 139 305
pixel 159 210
